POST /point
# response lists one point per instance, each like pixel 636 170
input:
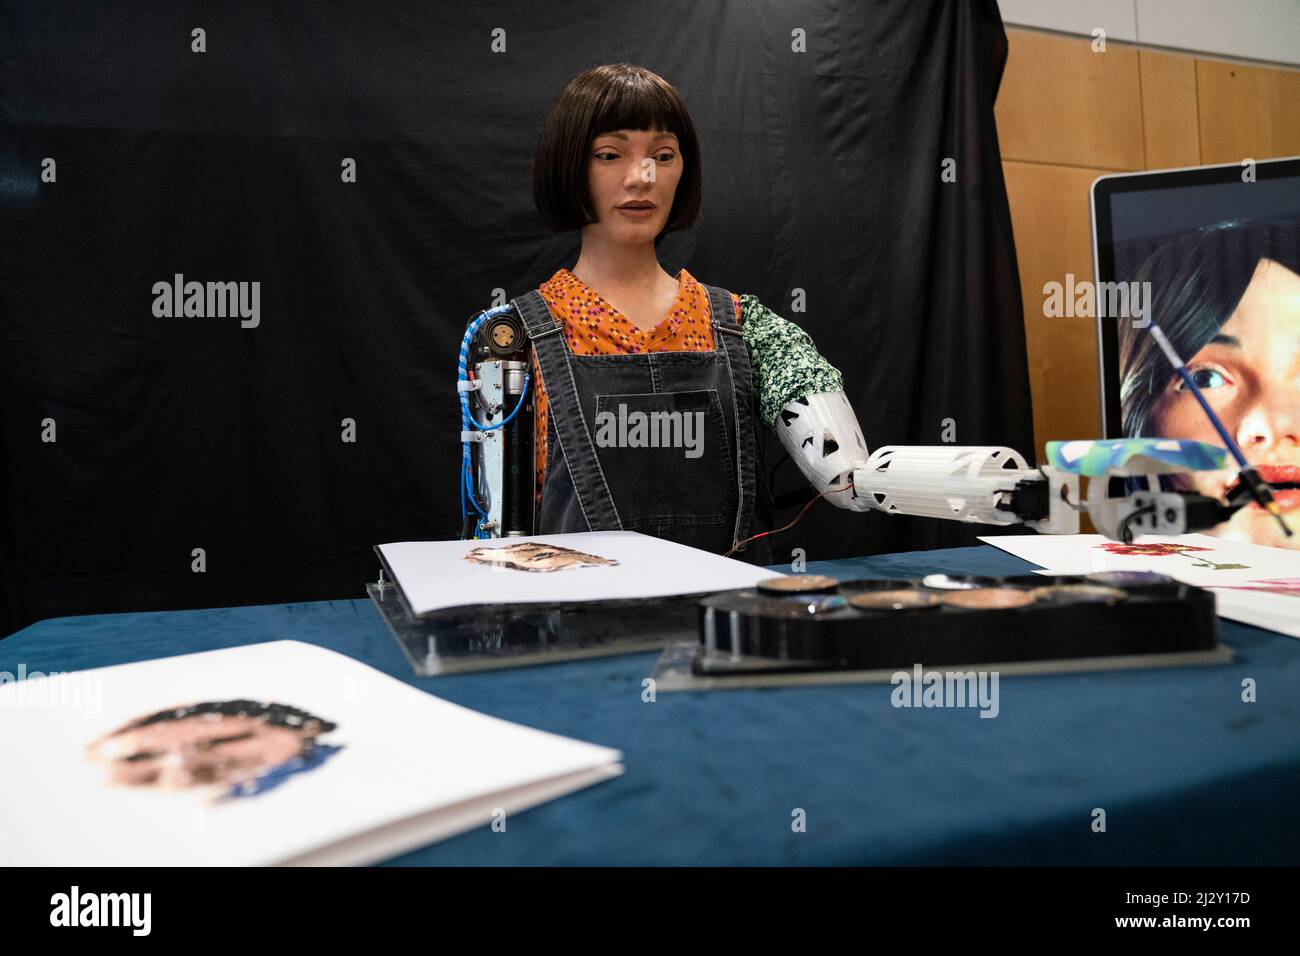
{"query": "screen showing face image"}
pixel 1222 260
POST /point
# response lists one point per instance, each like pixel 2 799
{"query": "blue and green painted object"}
pixel 1134 456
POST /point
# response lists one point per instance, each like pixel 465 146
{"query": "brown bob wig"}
pixel 601 100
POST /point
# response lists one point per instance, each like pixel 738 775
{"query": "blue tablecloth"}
pixel 1186 772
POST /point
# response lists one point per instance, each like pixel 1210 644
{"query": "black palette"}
pixel 745 632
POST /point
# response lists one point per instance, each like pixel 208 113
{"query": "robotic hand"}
pixel 985 485
pixel 995 485
pixel 822 435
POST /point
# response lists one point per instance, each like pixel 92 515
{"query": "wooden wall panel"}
pixel 1062 103
pixel 1051 221
pixel 1247 111
pixel 1170 130
pixel 1066 115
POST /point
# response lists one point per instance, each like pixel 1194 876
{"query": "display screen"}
pixel 1215 254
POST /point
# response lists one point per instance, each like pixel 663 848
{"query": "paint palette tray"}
pixel 868 630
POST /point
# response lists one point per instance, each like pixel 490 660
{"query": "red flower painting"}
pixel 1149 550
pixel 1160 550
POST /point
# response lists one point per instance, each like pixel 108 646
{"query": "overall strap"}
pixel 728 340
pixel 571 429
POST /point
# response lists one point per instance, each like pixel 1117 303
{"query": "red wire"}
pixel 797 518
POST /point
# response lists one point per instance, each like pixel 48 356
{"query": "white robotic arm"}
pixel 985 485
pixel 822 435
pixel 974 484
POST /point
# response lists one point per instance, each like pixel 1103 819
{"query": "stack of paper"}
pixel 277 753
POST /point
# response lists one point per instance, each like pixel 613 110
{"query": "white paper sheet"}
pixel 1273 612
pixel 1238 572
pixel 409 768
pixel 435 574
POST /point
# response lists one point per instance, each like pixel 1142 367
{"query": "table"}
pixel 1186 772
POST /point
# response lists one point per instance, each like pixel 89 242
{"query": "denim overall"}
pixel 708 502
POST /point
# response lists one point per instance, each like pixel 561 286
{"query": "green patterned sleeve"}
pixel 786 364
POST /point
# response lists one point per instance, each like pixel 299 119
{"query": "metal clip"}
pixel 541 335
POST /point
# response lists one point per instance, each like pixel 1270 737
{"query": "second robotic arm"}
pixel 985 485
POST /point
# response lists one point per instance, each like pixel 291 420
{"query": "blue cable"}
pixel 467 421
pixel 462 376
pixel 505 421
pixel 466 458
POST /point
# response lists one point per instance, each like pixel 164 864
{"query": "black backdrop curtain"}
pixel 821 170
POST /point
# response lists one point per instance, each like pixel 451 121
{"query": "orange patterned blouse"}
pixel 594 327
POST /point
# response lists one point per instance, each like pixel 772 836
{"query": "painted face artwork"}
pixel 533 556
pixel 228 749
pixel 1250 375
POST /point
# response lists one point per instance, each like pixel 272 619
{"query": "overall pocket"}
pixel 667 458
